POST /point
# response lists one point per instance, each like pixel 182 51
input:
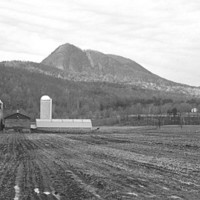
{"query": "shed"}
pixel 17 122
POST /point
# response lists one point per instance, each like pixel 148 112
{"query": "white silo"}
pixel 45 107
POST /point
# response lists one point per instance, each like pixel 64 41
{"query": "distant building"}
pixel 63 124
pixel 45 107
pixel 17 122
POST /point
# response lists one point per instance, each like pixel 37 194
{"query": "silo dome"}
pixel 45 98
pixel 45 107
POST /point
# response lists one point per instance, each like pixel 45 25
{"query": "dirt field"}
pixel 111 164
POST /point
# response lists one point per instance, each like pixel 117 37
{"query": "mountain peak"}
pixel 67 46
pixel 62 57
pixel 65 49
pixel 93 66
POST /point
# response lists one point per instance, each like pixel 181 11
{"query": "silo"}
pixel 45 107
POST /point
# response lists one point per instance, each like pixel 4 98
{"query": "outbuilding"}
pixel 17 122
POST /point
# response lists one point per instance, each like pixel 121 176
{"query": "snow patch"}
pixel 17 192
pixel 132 193
pixel 141 186
pixel 165 188
pixel 37 190
pixel 55 194
pixel 175 197
pixel 47 193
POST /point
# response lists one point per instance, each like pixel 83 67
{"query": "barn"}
pixel 17 122
pixel 47 123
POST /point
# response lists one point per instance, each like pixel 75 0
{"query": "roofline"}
pixel 18 114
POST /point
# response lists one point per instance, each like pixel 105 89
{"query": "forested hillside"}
pixel 22 89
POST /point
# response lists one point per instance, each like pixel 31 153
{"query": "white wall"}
pixel 64 123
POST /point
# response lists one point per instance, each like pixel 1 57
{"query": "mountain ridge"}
pixel 95 66
pixel 72 63
pixel 91 84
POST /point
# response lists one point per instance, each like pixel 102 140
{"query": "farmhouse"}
pixel 17 122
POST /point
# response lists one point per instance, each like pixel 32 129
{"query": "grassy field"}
pixel 111 163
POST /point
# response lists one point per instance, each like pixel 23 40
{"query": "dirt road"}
pixel 111 165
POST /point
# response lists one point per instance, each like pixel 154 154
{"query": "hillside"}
pixel 90 84
pixel 21 89
pixel 93 66
pixel 69 62
pixel 88 65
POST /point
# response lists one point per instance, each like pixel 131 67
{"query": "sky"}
pixel 161 35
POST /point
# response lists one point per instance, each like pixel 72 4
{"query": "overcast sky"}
pixel 161 35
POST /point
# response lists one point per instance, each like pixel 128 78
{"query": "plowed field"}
pixel 110 164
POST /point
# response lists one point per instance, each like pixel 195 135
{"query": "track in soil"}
pixel 110 165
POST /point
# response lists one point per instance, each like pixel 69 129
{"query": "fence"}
pixel 151 120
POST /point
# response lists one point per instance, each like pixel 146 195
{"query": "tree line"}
pixel 22 89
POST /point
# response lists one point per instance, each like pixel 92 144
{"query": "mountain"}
pixel 23 83
pixel 88 65
pixel 94 66
pixel 69 62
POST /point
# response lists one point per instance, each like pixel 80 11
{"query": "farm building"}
pixel 47 123
pixel 45 107
pixel 17 122
pixel 60 124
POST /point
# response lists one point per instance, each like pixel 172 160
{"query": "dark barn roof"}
pixel 17 116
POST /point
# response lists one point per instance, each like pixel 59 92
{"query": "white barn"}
pixel 59 124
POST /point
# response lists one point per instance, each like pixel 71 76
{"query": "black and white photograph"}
pixel 99 100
